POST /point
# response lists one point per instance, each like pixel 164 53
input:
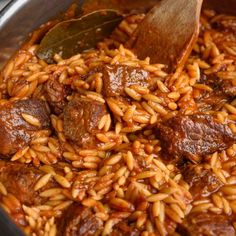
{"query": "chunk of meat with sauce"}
pixel 223 91
pixel 20 179
pixel 202 182
pixel 15 131
pixel 55 94
pixel 78 220
pixel 227 87
pixel 193 136
pixel 118 77
pixel 81 119
pixel 123 229
pixel 212 101
pixel 206 224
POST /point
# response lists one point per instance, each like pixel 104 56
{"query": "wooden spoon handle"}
pixel 168 32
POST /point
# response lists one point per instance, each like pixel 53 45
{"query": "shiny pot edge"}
pixel 20 17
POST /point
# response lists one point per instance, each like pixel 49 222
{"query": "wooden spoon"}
pixel 168 32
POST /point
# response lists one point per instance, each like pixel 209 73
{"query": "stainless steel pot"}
pixel 20 17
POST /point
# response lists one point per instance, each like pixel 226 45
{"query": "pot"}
pixel 20 17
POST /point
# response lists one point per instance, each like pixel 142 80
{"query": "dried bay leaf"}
pixel 74 36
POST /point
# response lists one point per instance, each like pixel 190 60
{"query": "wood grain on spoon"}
pixel 168 32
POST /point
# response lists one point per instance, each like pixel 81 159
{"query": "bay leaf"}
pixel 70 37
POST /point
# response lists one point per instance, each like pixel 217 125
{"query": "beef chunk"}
pixel 202 182
pixel 81 118
pixel 55 94
pixel 15 132
pixel 20 179
pixel 212 101
pixel 79 221
pixel 123 229
pixel 229 88
pixel 219 85
pixel 223 91
pixel 206 224
pixel 193 136
pixel 116 78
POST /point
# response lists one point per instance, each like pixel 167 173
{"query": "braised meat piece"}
pixel 223 91
pixel 202 182
pixel 193 136
pixel 212 101
pixel 123 229
pixel 20 179
pixel 15 131
pixel 229 88
pixel 116 78
pixel 81 118
pixel 219 85
pixel 206 224
pixel 55 94
pixel 79 221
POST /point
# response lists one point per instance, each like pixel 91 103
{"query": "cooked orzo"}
pixel 104 144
